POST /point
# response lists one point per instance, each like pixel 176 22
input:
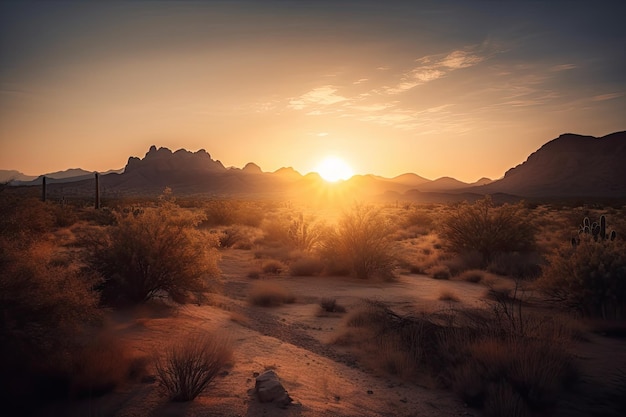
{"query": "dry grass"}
pixel 269 294
pixel 439 272
pixel 472 275
pixel 329 305
pixel 190 365
pixel 272 266
pixel 448 295
pixel 306 267
pixel 485 361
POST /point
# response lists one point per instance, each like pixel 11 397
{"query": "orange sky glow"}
pixel 435 89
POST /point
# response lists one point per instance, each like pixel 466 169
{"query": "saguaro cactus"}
pixel 597 230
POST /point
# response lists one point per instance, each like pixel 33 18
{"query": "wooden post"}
pixel 97 191
pixel 43 188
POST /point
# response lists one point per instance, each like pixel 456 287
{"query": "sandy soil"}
pixel 294 341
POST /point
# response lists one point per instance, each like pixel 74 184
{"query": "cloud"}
pixel 433 67
pixel 324 96
pixel 562 67
pixel 604 97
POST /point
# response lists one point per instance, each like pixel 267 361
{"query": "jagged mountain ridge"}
pixel 568 166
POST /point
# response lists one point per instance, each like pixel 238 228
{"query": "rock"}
pixel 269 389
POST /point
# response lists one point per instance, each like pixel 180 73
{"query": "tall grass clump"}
pixel 361 243
pixel 190 365
pixel 488 229
pixel 153 251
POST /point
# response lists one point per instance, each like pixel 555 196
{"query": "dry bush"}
pixel 46 309
pixel 306 266
pixel 472 275
pixel 151 251
pixel 273 266
pixel 329 305
pixel 269 294
pixel 190 365
pixel 488 229
pixel 516 265
pixel 254 274
pixel 448 295
pixel 419 219
pixel 294 231
pixel 439 272
pixel 476 353
pixel 361 242
pixel 589 278
pixel 102 364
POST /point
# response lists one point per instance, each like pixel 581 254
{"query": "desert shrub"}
pixel 362 243
pixel 420 219
pixel 272 266
pixel 23 220
pixel 448 295
pixel 45 308
pixel 516 265
pixel 589 278
pixel 330 305
pixel 190 365
pixel 479 356
pixel 306 266
pixel 439 272
pixel 269 294
pixel 488 229
pixel 220 212
pixel 299 232
pixel 472 275
pixel 151 251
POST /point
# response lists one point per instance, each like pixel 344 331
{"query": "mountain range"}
pixel 570 166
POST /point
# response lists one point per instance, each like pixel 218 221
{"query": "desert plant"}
pixel 269 294
pixel 190 365
pixel 589 278
pixel 272 266
pixel 488 229
pixel 330 305
pixel 306 266
pixel 362 242
pixel 152 251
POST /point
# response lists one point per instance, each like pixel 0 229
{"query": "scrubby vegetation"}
pixel 478 354
pixel 489 230
pixel 189 365
pixel 153 251
pixel 66 270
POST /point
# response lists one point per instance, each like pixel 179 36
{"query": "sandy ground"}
pixel 291 339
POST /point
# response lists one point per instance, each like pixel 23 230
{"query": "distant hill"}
pixel 7 175
pixel 569 166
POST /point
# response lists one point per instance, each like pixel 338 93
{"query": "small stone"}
pixel 255 374
pixel 370 392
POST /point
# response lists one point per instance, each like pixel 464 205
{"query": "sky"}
pixel 466 89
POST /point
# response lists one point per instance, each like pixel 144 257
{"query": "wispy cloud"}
pixel 604 97
pixel 325 95
pixel 433 67
pixel 562 67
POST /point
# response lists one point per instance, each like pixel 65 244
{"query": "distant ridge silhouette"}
pixel 568 166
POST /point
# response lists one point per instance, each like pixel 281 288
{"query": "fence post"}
pixel 43 188
pixel 97 191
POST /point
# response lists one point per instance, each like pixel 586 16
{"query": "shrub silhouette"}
pixel 488 229
pixel 190 365
pixel 589 278
pixel 362 243
pixel 154 250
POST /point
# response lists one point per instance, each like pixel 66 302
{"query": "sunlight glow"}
pixel 333 169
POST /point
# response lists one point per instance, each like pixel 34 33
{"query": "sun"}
pixel 333 169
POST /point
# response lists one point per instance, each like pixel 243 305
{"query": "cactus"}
pixel 597 230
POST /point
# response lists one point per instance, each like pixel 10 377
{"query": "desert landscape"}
pixel 312 208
